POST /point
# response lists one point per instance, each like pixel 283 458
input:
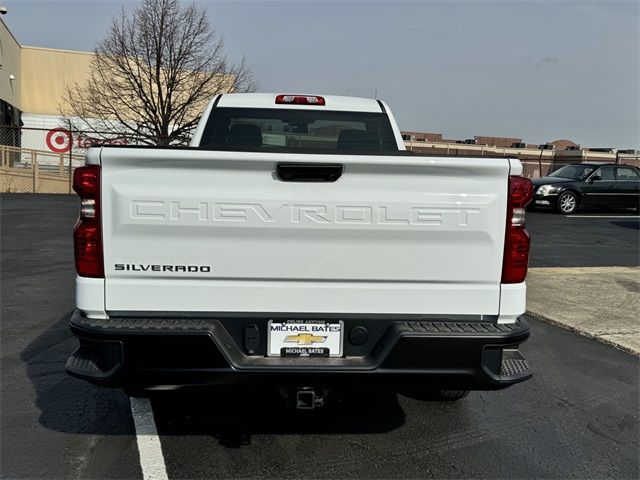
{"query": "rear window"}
pixel 275 129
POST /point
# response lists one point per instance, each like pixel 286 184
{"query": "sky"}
pixel 538 70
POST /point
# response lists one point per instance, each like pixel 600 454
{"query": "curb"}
pixel 583 333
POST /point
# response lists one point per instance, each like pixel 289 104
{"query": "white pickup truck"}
pixel 296 244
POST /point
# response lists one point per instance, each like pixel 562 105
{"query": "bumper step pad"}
pixel 97 364
pixel 514 366
pixel 84 362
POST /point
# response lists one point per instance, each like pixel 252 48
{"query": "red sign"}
pixel 60 140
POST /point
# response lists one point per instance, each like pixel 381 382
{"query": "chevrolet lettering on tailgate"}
pixel 190 212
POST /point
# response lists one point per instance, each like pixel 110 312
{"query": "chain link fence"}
pixel 535 163
pixel 40 160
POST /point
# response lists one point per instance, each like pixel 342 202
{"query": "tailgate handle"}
pixel 309 172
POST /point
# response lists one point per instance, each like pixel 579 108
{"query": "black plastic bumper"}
pixel 549 201
pixel 401 352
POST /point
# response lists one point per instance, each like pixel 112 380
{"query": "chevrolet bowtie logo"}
pixel 305 338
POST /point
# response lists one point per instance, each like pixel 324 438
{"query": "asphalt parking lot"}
pixel 591 238
pixel 577 417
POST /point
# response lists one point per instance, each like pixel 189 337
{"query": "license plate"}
pixel 304 338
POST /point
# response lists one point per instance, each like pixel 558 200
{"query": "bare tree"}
pixel 152 75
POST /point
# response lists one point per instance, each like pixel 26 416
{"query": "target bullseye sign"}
pixel 59 140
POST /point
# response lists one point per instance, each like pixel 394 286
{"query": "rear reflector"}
pixel 520 191
pixel 516 243
pixel 88 250
pixel 87 234
pixel 300 99
pixel 86 181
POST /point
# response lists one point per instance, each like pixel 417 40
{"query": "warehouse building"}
pixel 31 98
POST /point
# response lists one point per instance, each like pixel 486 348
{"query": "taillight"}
pixel 87 234
pixel 516 242
pixel 300 99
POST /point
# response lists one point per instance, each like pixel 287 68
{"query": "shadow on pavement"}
pixel 71 405
pixel 233 418
pixel 66 403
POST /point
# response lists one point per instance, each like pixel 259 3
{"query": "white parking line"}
pixel 151 459
pixel 603 216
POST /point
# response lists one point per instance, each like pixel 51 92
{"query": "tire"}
pixel 136 392
pixel 567 202
pixel 452 395
pixel 438 395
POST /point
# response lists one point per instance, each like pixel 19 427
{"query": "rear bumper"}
pixel 401 352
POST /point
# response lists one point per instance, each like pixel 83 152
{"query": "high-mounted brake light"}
pixel 87 234
pixel 300 99
pixel 516 243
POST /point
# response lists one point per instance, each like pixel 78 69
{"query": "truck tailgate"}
pixel 214 231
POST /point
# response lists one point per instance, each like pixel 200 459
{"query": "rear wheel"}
pixel 137 392
pixel 567 203
pixel 438 395
pixel 452 395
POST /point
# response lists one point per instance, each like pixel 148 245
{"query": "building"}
pixel 537 160
pixel 422 136
pixel 10 78
pixel 33 81
pixel 35 98
pixel 565 145
pixel 497 141
pixel 43 94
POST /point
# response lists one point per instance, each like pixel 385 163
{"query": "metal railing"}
pixel 27 170
pixel 42 160
pixel 535 162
